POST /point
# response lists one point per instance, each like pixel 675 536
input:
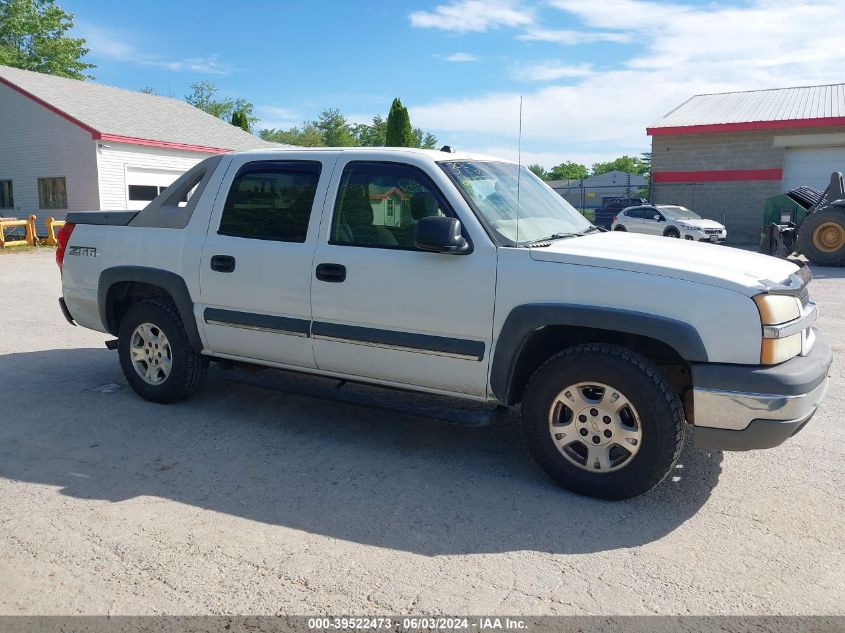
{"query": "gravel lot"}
pixel 261 501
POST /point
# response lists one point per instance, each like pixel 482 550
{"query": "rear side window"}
pixel 634 213
pixel 271 200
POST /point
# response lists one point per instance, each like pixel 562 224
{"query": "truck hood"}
pixel 711 264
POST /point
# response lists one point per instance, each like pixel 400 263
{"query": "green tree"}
pixel 424 140
pixel 247 110
pixel 374 135
pixel 538 170
pixel 32 37
pixel 239 120
pixel 627 164
pixel 204 95
pixel 306 136
pixel 148 90
pixel 567 171
pixel 399 130
pixel 334 128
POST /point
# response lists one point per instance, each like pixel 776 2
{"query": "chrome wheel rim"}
pixel 151 354
pixel 595 427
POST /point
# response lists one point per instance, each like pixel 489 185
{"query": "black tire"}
pixel 671 232
pixel 807 246
pixel 661 419
pixel 188 366
pixel 619 227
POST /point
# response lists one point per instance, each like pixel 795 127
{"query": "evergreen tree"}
pixel 239 120
pixel 399 130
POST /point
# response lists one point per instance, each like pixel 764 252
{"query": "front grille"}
pixel 712 231
pixel 804 296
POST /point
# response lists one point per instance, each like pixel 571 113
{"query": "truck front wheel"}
pixel 156 354
pixel 602 421
pixel 821 237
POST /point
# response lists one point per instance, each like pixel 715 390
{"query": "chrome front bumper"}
pixel 741 407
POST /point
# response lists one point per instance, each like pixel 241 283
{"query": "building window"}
pixel 7 200
pixel 52 193
pixel 144 193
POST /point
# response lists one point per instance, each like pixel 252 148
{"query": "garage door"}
pixel 811 166
pixel 144 184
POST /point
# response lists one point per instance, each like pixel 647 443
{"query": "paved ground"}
pixel 248 500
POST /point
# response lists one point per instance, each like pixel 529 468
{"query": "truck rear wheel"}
pixel 821 237
pixel 602 421
pixel 156 355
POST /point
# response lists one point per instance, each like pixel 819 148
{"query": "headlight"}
pixel 777 309
pixel 777 350
pixel 686 227
pixel 774 310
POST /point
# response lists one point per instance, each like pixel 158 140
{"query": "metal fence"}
pixel 586 198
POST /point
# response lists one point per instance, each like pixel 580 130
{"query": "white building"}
pixel 68 145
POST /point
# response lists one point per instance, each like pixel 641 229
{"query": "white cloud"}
pixel 570 37
pixel 548 71
pixel 461 57
pixel 274 117
pixel 546 158
pixel 472 15
pixel 681 51
pixel 117 46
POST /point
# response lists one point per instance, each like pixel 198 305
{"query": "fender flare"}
pixel 524 320
pixel 168 281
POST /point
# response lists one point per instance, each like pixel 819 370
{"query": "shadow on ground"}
pixel 351 472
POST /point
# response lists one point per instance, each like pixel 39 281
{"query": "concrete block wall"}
pixel 737 204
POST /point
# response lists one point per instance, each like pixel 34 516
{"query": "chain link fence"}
pixel 740 211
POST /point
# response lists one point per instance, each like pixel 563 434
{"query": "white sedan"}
pixel 669 220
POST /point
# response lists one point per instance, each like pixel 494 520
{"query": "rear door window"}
pixel 271 200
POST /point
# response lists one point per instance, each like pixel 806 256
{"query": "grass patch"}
pixel 9 250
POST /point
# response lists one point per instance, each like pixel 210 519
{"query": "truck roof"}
pixel 392 152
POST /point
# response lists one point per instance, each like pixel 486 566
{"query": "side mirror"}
pixel 439 234
pixel 658 218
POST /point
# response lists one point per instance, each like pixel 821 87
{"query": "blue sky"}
pixel 593 74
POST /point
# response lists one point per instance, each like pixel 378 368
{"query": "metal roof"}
pixel 125 116
pixel 808 106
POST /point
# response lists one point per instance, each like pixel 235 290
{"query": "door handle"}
pixel 333 273
pixel 223 263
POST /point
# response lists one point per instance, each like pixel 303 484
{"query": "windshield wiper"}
pixel 545 241
pixel 559 236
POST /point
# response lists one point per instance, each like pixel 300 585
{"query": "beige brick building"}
pixel 722 155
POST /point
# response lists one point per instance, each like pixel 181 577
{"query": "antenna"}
pixel 519 167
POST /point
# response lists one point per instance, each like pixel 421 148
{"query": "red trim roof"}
pixel 51 108
pixel 717 175
pixel 97 135
pixel 150 143
pixel 388 193
pixel 714 128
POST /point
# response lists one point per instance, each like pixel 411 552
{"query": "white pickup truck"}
pixel 413 269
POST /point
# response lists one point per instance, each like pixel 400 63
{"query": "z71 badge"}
pixel 82 251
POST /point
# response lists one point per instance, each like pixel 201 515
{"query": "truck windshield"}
pixel 490 188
